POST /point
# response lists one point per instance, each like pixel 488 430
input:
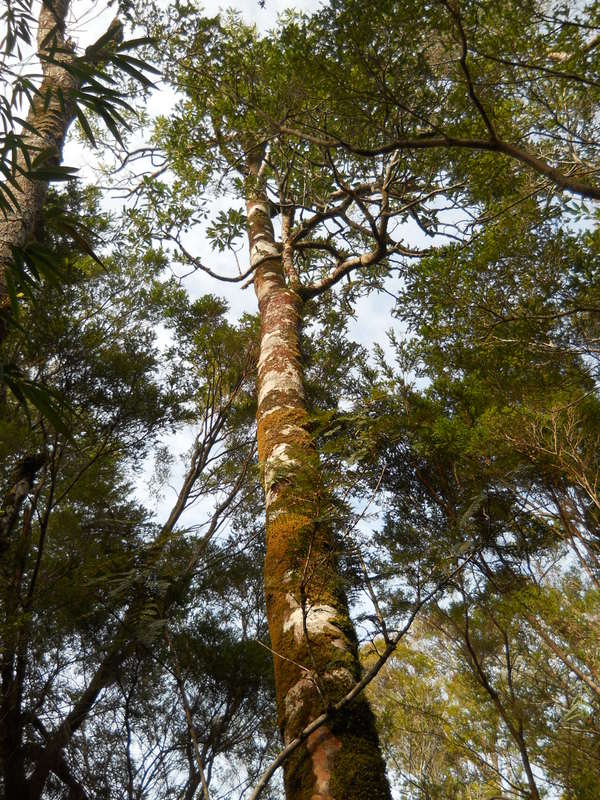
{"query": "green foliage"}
pixel 468 441
pixel 228 227
pixel 96 573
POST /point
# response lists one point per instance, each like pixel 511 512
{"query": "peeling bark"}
pixel 316 661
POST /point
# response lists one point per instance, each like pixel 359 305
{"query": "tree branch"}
pixel 428 142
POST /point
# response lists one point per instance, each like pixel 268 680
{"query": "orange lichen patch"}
pixel 322 747
pixel 282 416
pixel 284 424
pixel 287 537
pixel 280 398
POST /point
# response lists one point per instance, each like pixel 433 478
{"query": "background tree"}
pixel 68 86
pixel 90 579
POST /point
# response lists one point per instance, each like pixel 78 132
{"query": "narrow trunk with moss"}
pixel 313 639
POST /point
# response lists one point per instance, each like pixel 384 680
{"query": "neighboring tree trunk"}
pixel 315 646
pixel 50 115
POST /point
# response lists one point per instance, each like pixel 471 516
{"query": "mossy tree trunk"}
pixel 313 639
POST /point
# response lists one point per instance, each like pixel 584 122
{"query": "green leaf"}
pixel 85 126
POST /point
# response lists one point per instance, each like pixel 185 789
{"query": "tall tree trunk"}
pixel 315 646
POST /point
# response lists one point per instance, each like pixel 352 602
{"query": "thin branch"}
pixel 555 73
pixel 199 265
pixel 453 11
pixel 188 713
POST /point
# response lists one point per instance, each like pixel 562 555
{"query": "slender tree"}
pixel 335 219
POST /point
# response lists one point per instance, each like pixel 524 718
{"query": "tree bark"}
pixel 312 636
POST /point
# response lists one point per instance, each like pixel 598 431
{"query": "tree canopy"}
pixel 233 544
